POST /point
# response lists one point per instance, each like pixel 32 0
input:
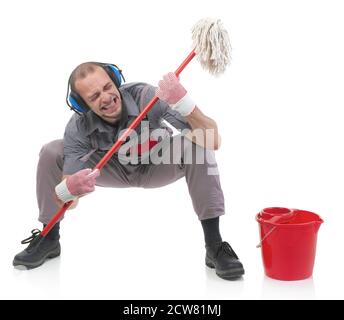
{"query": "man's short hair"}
pixel 81 72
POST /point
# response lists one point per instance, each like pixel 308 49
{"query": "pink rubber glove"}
pixel 170 90
pixel 82 182
pixel 174 94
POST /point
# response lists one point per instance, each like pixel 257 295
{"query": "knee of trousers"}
pixel 52 152
pixel 195 154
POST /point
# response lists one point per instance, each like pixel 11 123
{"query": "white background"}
pixel 279 111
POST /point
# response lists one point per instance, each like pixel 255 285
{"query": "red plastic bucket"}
pixel 288 242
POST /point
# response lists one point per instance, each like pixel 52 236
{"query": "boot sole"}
pixel 227 275
pixel 53 254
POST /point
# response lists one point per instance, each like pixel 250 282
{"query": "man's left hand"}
pixel 174 94
pixel 170 90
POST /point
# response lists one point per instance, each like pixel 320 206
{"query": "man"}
pixel 105 107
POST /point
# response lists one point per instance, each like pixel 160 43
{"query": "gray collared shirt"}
pixel 88 133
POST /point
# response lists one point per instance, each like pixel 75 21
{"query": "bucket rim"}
pixel 261 220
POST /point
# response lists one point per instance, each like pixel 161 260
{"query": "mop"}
pixel 212 47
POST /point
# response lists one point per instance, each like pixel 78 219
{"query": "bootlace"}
pixel 34 234
pixel 225 247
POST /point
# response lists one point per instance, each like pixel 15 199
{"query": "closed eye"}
pixel 108 86
pixel 94 97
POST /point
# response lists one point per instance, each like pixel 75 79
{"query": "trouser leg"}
pixel 198 166
pixel 178 159
pixel 49 174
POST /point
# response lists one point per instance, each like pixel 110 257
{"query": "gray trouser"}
pixel 202 179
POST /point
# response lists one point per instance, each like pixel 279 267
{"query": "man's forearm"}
pixel 204 130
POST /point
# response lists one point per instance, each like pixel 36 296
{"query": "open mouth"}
pixel 112 107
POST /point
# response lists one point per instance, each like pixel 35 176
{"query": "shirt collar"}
pixel 94 122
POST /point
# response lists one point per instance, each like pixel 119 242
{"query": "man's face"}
pixel 101 95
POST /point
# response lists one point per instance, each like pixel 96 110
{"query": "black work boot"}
pixel 222 257
pixel 40 248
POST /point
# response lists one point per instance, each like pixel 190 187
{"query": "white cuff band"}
pixel 184 106
pixel 63 193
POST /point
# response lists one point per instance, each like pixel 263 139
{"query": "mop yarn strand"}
pixel 212 45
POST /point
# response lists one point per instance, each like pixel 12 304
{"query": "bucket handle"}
pixel 266 235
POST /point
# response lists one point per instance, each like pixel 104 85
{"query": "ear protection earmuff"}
pixel 74 100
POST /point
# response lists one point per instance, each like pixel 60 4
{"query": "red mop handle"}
pixel 117 145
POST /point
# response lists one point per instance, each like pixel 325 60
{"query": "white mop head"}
pixel 212 46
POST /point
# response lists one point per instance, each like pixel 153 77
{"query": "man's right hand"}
pixel 82 182
pixel 76 185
